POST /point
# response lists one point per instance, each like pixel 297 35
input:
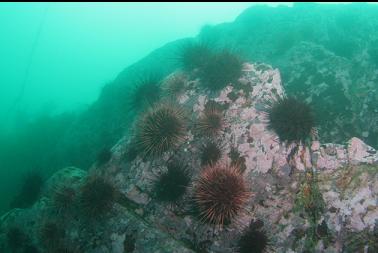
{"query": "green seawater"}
pixel 55 60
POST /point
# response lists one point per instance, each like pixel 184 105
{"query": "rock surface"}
pixel 347 178
pixel 327 55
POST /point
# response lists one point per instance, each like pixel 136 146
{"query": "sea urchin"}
pixel 63 197
pixel 220 194
pixel 211 122
pixel 211 152
pixel 161 129
pixel 220 70
pixel 174 85
pixel 172 184
pixel 97 196
pixel 194 56
pixel 291 119
pixel 254 239
pixel 146 92
pixel 51 235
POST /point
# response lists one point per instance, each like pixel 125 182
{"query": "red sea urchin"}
pixel 220 194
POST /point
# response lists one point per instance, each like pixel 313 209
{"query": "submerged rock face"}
pixel 327 55
pixel 347 179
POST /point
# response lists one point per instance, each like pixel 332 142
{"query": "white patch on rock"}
pixel 359 152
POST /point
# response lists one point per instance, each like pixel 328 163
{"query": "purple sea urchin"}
pixel 146 93
pixel 63 197
pixel 194 56
pixel 97 196
pixel 211 153
pixel 291 119
pixel 51 235
pixel 221 69
pixel 254 239
pixel 161 129
pixel 211 122
pixel 172 184
pixel 174 86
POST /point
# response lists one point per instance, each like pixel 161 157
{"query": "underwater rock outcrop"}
pixel 327 56
pixel 281 200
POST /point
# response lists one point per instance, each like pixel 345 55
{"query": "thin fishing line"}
pixel 20 95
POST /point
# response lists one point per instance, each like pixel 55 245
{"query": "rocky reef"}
pixel 327 56
pixel 333 211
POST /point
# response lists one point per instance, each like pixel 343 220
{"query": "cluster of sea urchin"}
pixel 220 194
pixel 161 129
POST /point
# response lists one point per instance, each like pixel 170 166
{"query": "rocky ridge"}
pixel 347 176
